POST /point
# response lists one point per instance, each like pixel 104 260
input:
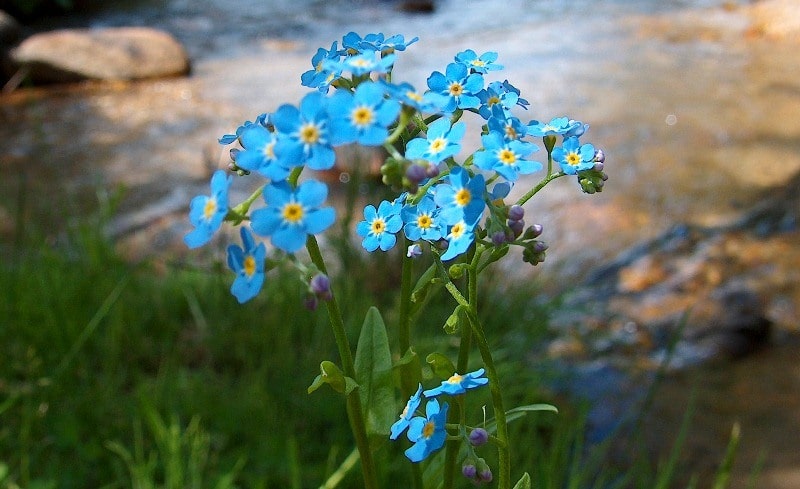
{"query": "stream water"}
pixel 696 117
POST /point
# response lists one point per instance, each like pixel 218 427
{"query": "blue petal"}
pixel 319 220
pixel 312 193
pixel 265 221
pixel 289 238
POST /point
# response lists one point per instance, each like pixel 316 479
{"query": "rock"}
pixel 726 291
pixel 10 30
pixel 776 19
pixel 123 53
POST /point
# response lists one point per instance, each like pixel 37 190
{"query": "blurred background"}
pixel 125 362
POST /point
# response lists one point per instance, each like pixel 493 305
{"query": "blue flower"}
pixel 406 94
pixel 458 86
pixel 428 434
pixel 320 76
pixel 462 198
pixel 573 157
pixel 509 126
pixel 479 64
pixel 303 134
pixel 261 120
pixel 363 116
pixel 206 213
pixel 363 64
pixel 258 153
pixel 441 142
pixel 408 412
pixel 377 42
pixel 459 384
pixel 557 126
pixel 422 220
pixel 248 264
pixel 379 227
pixel 506 157
pixel 496 94
pixel 459 238
pixel 292 214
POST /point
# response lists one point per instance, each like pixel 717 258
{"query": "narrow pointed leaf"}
pixel 373 365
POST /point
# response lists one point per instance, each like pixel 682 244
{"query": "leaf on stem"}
pixel 373 365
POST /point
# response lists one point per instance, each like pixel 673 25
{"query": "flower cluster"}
pixel 428 432
pixel 446 204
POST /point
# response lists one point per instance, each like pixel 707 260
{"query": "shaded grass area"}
pixel 136 375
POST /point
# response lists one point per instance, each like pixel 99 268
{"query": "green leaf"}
pixel 332 375
pixel 421 288
pixel 441 365
pixel 524 482
pixel 519 412
pixel 452 322
pixel 373 365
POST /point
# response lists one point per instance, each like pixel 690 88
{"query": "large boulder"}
pixel 122 53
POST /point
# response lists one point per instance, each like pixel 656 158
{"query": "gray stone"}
pixel 123 53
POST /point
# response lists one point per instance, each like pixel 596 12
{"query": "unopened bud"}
pixel 516 227
pixel 478 437
pixel 320 285
pixel 600 157
pixel 416 173
pixel 516 213
pixel 499 237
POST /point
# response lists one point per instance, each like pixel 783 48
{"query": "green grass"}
pixel 120 375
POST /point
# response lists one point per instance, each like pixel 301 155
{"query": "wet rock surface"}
pixel 121 53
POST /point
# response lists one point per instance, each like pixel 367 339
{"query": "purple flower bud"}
pixel 310 302
pixel 498 238
pixel 320 285
pixel 416 173
pixel 234 153
pixel 478 437
pixel 600 157
pixel 516 226
pixel 469 471
pixel 539 247
pixel 533 231
pixel 516 213
pixel 485 475
pixel 414 251
pixel 432 171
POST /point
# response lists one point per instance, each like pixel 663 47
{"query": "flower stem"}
pixel 503 452
pixel 354 409
pixel 549 178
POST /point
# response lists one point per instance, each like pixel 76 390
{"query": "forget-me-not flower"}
pixel 321 76
pixel 206 212
pixel 362 116
pixel 459 87
pixel 421 221
pixel 247 263
pixel 574 157
pixel 292 214
pixel 258 153
pixel 441 142
pixel 427 433
pixel 459 384
pixel 380 226
pixel 408 412
pixel 507 158
pixel 461 198
pixel 479 64
pixel 459 238
pixel 303 134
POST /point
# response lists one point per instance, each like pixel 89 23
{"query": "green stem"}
pixel 354 409
pixel 504 456
pixel 549 178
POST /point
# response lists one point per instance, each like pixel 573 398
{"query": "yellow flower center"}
pixel 361 63
pixel 210 208
pixel 363 116
pixel 249 265
pixel 416 97
pixel 493 100
pixel 424 221
pixel 456 232
pixel 479 63
pixel 428 429
pixel 511 133
pixel 293 212
pixel 309 133
pixel 455 378
pixel 507 157
pixel 378 226
pixel 437 145
pixel 269 151
pixel 455 89
pixel 574 159
pixel 463 197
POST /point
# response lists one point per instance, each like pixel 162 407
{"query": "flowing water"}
pixel 696 117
